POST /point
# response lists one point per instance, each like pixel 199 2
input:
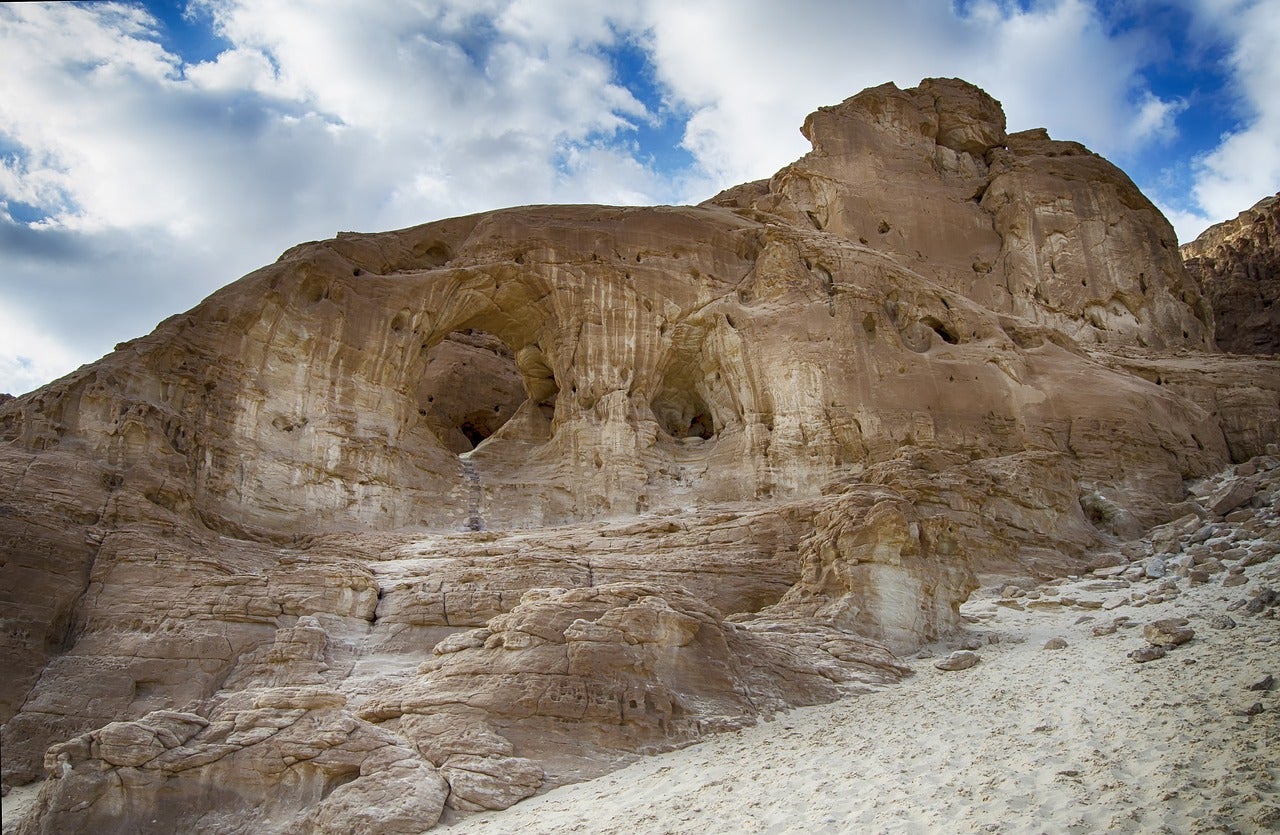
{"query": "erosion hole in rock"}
pixel 338 779
pixel 940 329
pixel 469 388
pixel 682 413
pixel 432 254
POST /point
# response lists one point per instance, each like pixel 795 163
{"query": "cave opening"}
pixel 470 387
pixel 936 325
pixel 682 413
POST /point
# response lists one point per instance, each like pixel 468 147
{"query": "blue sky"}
pixel 153 152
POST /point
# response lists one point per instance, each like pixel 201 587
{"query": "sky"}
pixel 151 152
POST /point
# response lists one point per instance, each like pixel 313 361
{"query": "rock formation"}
pixel 1238 266
pixel 432 519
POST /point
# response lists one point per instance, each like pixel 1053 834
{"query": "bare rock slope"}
pixel 1238 265
pixel 418 523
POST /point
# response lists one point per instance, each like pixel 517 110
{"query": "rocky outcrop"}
pixel 1238 266
pixel 1020 223
pixel 417 523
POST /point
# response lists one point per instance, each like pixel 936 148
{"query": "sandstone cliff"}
pixel 1238 266
pixel 433 518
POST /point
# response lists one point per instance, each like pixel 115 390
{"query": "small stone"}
pixel 1104 629
pixel 1168 632
pixel 1240 515
pixel 1105 585
pixel 1234 580
pixel 1266 683
pixel 1262 601
pixel 1155 568
pixel 1197 577
pixel 1252 710
pixel 1055 643
pixel 1247 468
pixel 1222 622
pixel 959 660
pixel 1146 654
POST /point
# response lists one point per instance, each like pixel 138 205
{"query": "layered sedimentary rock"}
pixel 1238 266
pixel 432 519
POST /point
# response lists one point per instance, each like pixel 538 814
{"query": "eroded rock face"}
pixel 1238 266
pixel 1019 223
pixel 433 519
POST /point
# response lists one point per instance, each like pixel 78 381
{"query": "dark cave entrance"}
pixel 682 413
pixel 470 387
pixel 473 433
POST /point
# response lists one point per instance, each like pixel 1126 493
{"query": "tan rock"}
pixel 491 782
pixel 261 762
pixel 961 659
pixel 1237 263
pixel 574 678
pixel 1169 632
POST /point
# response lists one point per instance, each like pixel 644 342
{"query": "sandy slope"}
pixel 1081 739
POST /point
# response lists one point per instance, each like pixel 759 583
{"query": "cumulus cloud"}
pixel 750 70
pixel 1245 166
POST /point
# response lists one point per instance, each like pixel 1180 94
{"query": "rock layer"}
pixel 432 519
pixel 1238 266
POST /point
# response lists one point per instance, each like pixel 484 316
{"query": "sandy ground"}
pixel 1079 739
pixel 16 803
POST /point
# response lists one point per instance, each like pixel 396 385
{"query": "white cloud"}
pixel 1155 119
pixel 29 355
pixel 750 70
pixel 1245 167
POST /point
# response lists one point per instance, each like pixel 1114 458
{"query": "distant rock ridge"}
pixel 720 460
pixel 1237 263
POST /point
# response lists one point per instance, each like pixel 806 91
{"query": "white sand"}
pixel 1081 739
pixel 16 803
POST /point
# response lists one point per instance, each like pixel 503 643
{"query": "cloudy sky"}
pixel 152 152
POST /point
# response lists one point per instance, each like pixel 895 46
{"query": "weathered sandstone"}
pixel 422 522
pixel 1237 263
